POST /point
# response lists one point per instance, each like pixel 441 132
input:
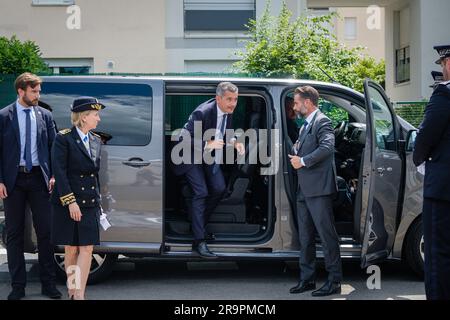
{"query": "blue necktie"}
pixel 85 139
pixel 305 125
pixel 222 133
pixel 28 161
pixel 301 133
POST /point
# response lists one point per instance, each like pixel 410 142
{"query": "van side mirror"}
pixel 410 140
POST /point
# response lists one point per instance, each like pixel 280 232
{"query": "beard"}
pixel 30 103
pixel 303 111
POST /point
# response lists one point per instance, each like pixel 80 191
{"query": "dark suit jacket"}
pixel 206 113
pixel 433 144
pixel 76 173
pixel 10 143
pixel 316 147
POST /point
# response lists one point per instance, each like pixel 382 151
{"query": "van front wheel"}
pixel 101 267
pixel 414 248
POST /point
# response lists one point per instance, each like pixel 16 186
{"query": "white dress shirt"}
pixel 21 117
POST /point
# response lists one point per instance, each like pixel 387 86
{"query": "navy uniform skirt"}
pixel 68 232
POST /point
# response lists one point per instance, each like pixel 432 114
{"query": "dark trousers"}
pixel 317 213
pixel 436 232
pixel 30 188
pixel 208 189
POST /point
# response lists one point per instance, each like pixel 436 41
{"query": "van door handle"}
pixel 136 163
pixel 381 170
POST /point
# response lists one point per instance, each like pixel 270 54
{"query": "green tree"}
pixel 302 49
pixel 17 57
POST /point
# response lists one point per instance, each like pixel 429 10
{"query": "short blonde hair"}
pixel 77 116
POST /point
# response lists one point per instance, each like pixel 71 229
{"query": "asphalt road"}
pixel 256 280
pixel 150 279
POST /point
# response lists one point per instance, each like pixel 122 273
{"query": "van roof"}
pixel 190 78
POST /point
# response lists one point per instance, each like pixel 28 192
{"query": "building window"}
pixel 402 65
pixel 350 28
pixel 71 70
pixel 231 15
pixel 73 66
pixel 53 2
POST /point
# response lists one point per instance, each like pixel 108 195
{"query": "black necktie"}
pixel 222 133
pixel 222 125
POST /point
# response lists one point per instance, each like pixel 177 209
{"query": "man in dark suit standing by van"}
pixel 433 147
pixel 27 132
pixel 206 180
pixel 314 161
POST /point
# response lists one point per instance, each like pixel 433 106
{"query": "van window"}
pixel 181 106
pixel 384 122
pixel 127 116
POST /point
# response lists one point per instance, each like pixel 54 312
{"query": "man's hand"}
pixel 295 162
pixel 75 212
pixel 51 184
pixel 240 148
pixel 215 144
pixel 3 193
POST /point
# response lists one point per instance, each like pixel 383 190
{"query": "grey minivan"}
pixel 377 209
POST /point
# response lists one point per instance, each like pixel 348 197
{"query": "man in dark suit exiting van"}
pixel 206 180
pixel 314 161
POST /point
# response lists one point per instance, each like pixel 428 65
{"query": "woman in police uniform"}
pixel 76 197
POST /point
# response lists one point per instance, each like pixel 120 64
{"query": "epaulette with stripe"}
pixel 65 131
pixel 95 135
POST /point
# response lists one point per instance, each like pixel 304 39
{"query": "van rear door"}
pixel 131 164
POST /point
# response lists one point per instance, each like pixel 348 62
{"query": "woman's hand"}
pixel 75 212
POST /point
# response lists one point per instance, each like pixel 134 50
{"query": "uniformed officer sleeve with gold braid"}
pixel 59 166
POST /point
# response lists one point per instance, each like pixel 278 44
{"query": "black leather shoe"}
pixel 51 292
pixel 328 289
pixel 201 248
pixel 303 286
pixel 16 294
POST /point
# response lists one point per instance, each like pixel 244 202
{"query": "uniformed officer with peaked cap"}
pixel 433 147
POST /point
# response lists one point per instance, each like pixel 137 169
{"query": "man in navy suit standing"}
pixel 27 132
pixel 206 180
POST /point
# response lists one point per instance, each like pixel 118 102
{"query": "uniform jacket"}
pixel 316 146
pixel 207 114
pixel 433 144
pixel 10 143
pixel 76 173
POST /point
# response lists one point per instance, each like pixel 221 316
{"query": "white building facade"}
pixel 177 36
pixel 412 28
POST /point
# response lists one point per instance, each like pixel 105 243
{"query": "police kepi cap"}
pixel 85 104
pixel 443 51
